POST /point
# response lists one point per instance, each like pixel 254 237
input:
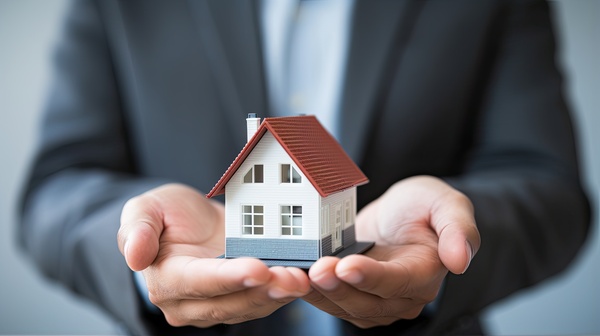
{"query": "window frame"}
pixel 254 215
pixel 294 218
pixel 348 213
pixel 290 173
pixel 257 175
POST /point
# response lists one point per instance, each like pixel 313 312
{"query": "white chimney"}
pixel 252 124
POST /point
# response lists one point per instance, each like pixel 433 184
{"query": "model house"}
pixel 290 195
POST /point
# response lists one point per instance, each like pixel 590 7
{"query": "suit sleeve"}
pixel 83 173
pixel 522 174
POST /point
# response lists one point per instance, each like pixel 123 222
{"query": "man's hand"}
pixel 422 228
pixel 173 234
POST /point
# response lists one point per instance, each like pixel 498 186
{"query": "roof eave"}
pixel 219 188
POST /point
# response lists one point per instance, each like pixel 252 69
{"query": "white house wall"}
pixel 340 198
pixel 271 194
pixel 345 198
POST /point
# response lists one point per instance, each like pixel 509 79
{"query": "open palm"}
pixel 421 228
pixel 173 234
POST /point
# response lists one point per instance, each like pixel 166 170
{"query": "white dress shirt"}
pixel 305 48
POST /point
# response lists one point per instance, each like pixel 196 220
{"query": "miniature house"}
pixel 290 195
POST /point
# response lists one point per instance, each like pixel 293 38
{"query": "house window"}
pixel 348 212
pixel 289 174
pixel 254 174
pixel 291 220
pixel 253 219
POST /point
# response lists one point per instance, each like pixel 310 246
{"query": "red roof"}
pixel 316 153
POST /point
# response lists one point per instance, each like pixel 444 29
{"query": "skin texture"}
pixel 405 269
pixel 172 234
pixel 422 228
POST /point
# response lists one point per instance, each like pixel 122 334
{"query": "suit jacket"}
pixel 152 92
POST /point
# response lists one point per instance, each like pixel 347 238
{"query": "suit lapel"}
pixel 230 32
pixel 379 31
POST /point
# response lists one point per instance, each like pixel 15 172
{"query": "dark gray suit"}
pixel 157 91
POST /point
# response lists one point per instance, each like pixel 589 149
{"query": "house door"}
pixel 336 237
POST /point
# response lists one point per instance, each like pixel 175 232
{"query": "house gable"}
pixel 271 194
pixel 316 153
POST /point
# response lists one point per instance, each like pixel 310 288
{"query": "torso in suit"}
pixel 155 92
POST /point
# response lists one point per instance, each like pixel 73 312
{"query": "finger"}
pixel 284 286
pixel 300 275
pixel 322 276
pixel 404 277
pixel 383 279
pixel 288 282
pixel 452 218
pixel 341 299
pixel 326 281
pixel 139 234
pixel 208 278
pixel 322 273
pixel 232 308
pixel 355 305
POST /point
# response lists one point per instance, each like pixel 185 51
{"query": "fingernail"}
pixel 469 255
pixel 328 284
pixel 278 293
pixel 352 277
pixel 251 282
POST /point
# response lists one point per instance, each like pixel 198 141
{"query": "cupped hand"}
pixel 422 228
pixel 173 234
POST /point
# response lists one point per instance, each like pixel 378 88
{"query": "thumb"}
pixel 454 222
pixel 139 234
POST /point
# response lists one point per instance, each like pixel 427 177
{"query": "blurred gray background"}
pixel 567 304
